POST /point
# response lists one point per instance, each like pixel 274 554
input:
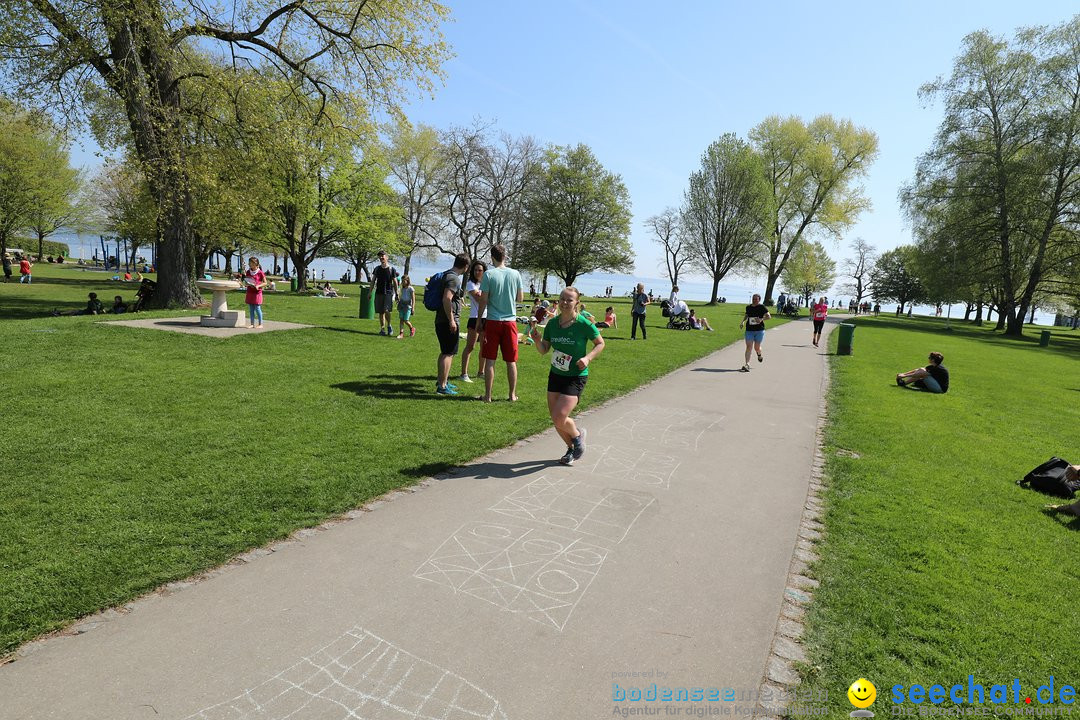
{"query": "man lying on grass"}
pixel 1072 473
pixel 932 378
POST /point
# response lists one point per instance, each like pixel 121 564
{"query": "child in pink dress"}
pixel 255 279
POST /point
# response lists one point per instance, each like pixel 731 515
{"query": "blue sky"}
pixel 649 85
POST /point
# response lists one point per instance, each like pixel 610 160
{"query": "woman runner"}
pixel 567 336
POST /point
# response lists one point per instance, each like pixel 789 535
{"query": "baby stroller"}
pixel 675 322
pixel 143 294
pixel 791 310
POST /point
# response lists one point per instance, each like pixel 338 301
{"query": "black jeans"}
pixel 634 320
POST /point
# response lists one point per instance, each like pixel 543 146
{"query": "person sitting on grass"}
pixel 119 306
pixel 610 320
pixel 699 323
pixel 93 307
pixel 932 378
pixel 1072 473
pixel 329 291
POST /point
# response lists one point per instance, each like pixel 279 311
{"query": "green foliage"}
pixel 145 60
pixel 997 190
pixel 39 190
pixel 578 218
pixel 812 171
pixel 809 270
pixel 895 277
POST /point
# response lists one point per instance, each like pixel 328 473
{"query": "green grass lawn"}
pixel 135 457
pixel 936 565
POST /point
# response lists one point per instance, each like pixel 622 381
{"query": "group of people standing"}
pixel 495 292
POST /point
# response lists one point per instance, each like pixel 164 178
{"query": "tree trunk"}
pixel 715 290
pixel 40 245
pixel 358 266
pixel 769 288
pixel 405 270
pixel 300 272
pixel 967 311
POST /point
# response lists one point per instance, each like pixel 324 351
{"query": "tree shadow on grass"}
pixel 1061 343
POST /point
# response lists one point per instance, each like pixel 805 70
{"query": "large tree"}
pixel 1004 170
pixel 895 277
pixel 416 164
pixel 578 218
pixel 20 145
pixel 69 53
pixel 667 232
pixel 724 209
pixel 812 170
pixel 809 270
pixel 857 269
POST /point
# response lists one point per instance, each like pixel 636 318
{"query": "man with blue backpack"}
pixel 442 295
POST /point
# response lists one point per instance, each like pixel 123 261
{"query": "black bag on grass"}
pixel 1049 478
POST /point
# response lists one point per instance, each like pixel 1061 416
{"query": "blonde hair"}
pixel 405 281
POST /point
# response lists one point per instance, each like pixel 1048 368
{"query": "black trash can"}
pixel 847 339
pixel 1044 338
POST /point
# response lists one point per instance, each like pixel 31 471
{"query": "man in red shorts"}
pixel 500 291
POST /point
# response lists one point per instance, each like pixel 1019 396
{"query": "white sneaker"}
pixel 466 378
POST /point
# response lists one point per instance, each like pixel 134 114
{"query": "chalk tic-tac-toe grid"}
pixel 360 677
pixel 518 569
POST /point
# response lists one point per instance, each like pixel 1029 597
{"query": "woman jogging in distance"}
pixel 818 313
pixel 567 336
pixel 754 320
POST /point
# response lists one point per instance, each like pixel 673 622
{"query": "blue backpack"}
pixel 434 290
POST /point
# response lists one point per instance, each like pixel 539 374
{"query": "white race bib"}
pixel 755 320
pixel 561 361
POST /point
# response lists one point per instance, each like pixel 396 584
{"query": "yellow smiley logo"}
pixel 862 693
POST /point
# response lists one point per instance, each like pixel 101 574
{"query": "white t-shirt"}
pixel 474 304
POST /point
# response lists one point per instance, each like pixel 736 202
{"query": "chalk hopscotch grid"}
pixel 360 676
pixel 518 569
pixel 669 428
pixel 629 464
pixel 574 505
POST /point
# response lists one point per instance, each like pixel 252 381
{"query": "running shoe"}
pixel 412 331
pixel 449 385
pixel 744 368
pixel 382 331
pixel 445 390
pixel 760 357
pixel 466 378
pixel 568 457
pixel 579 445
pixel 389 329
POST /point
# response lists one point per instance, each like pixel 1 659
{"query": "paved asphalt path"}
pixel 515 588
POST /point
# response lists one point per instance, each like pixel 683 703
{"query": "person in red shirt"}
pixel 255 279
pixel 25 270
pixel 818 313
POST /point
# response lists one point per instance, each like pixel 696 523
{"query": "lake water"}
pixel 736 289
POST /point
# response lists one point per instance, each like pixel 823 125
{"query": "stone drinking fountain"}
pixel 220 314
